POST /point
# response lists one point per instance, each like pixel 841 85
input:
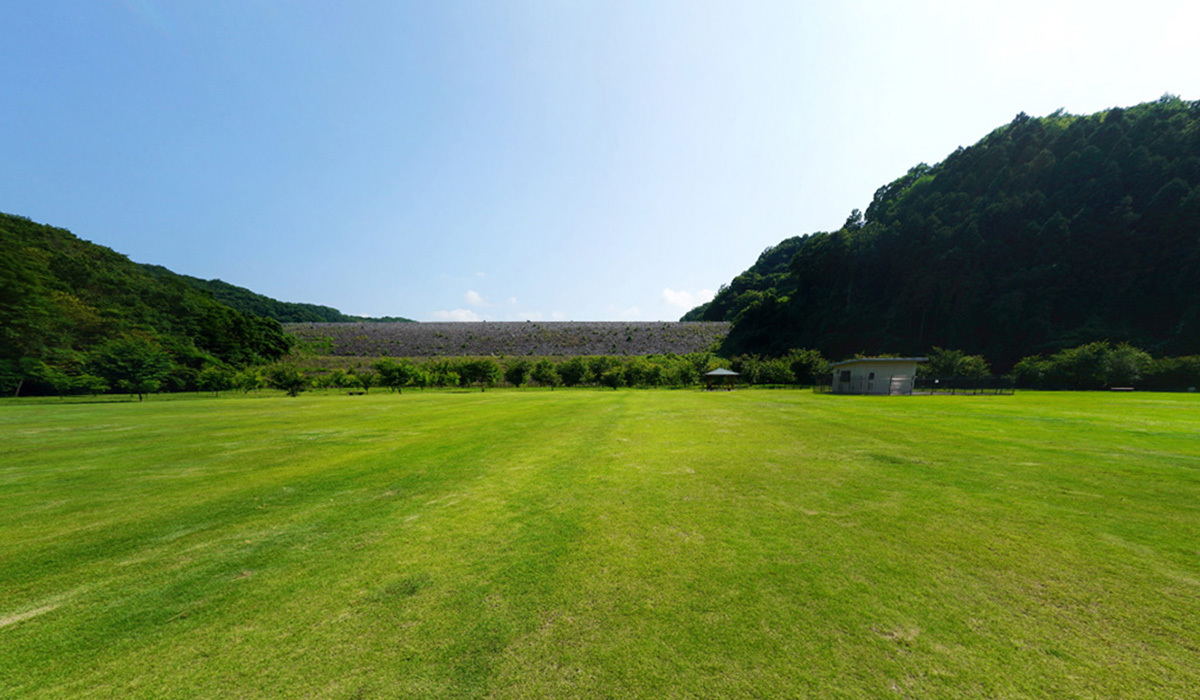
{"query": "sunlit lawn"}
pixel 602 544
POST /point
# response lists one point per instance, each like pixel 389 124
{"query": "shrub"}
pixel 1091 366
pixel 1173 373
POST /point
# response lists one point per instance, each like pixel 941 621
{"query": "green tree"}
pixel 954 363
pixel 483 372
pixel 215 379
pixel 639 372
pixel 599 365
pixel 776 371
pixel 682 372
pixel 133 364
pixel 55 378
pixel 1125 365
pixel 517 372
pixel 1032 372
pixel 340 379
pixel 248 379
pixel 420 377
pixel 366 380
pixel 1173 374
pixel 396 375
pixel 88 384
pixel 573 371
pixel 613 377
pixel 441 373
pixel 545 374
pixel 808 366
pixel 287 377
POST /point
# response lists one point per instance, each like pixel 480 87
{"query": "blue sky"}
pixel 523 160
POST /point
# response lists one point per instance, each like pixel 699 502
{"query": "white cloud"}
pixel 474 298
pixel 684 299
pixel 456 315
pixel 512 301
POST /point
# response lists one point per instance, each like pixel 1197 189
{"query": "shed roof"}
pixel 880 359
pixel 722 372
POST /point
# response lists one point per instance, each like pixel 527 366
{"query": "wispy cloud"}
pixel 456 315
pixel 474 298
pixel 684 299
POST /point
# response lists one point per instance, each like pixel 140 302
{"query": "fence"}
pixel 994 386
pixel 928 386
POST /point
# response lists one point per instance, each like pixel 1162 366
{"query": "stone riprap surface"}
pixel 511 338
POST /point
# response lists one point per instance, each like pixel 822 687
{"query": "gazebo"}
pixel 718 377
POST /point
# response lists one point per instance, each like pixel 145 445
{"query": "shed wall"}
pixel 888 378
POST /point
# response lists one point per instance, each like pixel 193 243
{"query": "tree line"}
pixel 247 301
pixel 601 371
pixel 1092 366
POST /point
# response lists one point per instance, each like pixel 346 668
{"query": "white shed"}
pixel 883 376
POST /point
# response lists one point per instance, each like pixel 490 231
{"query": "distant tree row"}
pixel 484 372
pixel 1104 365
pixel 136 366
pixel 608 371
pixel 250 302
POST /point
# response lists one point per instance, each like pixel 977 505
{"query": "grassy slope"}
pixel 602 544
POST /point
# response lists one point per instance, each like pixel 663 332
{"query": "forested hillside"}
pixel 76 316
pixel 1047 234
pixel 250 302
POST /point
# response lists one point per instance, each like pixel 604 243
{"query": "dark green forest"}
pixel 76 317
pixel 1049 233
pixel 249 302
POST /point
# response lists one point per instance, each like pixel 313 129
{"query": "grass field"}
pixel 602 544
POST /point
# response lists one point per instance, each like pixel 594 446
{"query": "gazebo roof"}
pixel 722 372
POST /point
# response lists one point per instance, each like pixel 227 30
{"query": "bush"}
pixel 1092 366
pixel 1173 374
